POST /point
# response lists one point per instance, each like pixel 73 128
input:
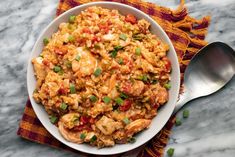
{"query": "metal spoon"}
pixel 208 71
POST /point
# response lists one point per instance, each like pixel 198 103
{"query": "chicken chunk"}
pixel 39 69
pixel 107 125
pixel 99 108
pixel 107 140
pixel 137 126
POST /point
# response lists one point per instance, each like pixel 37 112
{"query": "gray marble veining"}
pixel 208 132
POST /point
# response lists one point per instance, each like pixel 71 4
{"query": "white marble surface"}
pixel 208 132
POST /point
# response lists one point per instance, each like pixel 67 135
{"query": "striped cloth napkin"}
pixel 187 35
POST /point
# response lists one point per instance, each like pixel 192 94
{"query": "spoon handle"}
pixel 183 99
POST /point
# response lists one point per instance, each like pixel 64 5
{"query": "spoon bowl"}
pixel 209 70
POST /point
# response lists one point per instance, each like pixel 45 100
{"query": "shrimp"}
pixel 112 82
pixel 70 120
pixel 71 100
pixel 87 63
pixel 69 135
pixel 160 94
pixel 136 126
pixel 135 89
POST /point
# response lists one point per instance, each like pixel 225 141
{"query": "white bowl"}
pixel 157 123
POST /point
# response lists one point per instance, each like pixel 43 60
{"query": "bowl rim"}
pixel 177 85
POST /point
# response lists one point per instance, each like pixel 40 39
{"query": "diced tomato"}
pixel 57 51
pixel 81 41
pixel 95 38
pixel 60 50
pixel 84 119
pixel 136 116
pixel 155 105
pixel 167 64
pixel 81 127
pixel 113 14
pixel 104 27
pixel 153 102
pixel 126 88
pixel 131 18
pixel 126 105
pixel 86 30
pixel 45 62
pixel 109 22
pixel 62 91
pixel 92 120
